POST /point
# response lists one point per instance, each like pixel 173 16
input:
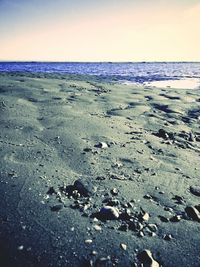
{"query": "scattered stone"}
pixel 195 190
pixel 147 196
pixel 179 199
pixel 85 207
pixel 147 231
pixel 191 137
pixel 84 188
pixel 112 202
pixel 87 149
pixel 141 234
pixel 175 218
pixel 167 237
pixel 117 177
pixel 101 178
pixel 97 227
pixel 114 191
pixel 124 205
pixel 101 145
pixel 168 209
pixel 124 227
pixel 125 215
pixel 88 241
pixel 144 216
pixel 94 253
pixel 109 213
pixel 130 204
pixel 102 261
pixel 51 191
pixel 193 213
pixel 147 259
pixel 163 134
pixel 152 227
pixel 153 234
pixel 87 263
pixel 117 165
pixel 135 225
pixel 197 207
pixel 57 207
pixel 163 219
pixel 123 246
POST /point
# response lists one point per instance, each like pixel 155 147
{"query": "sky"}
pixel 100 30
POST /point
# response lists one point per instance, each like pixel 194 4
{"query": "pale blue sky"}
pixel 24 23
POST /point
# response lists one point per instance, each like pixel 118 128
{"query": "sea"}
pixel 183 75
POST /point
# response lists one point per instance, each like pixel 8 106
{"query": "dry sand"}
pixel 134 149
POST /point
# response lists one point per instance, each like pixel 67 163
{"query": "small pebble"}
pixel 193 213
pixel 141 234
pixel 101 145
pixel 97 227
pixel 163 134
pixel 191 137
pixel 147 196
pixel 167 237
pixel 147 259
pixel 144 216
pixel 87 149
pixel 123 246
pixel 57 207
pixel 195 190
pixel 84 188
pixel 88 241
pixel 109 213
pixel 94 253
pixel 51 191
pixel 114 191
pixel 117 165
pixel 175 218
pixel 163 219
pixel 102 260
pixel 87 263
pixel 124 227
pixel 152 227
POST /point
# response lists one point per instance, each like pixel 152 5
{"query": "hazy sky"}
pixel 100 30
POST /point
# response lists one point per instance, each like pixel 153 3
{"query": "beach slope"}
pixel 95 173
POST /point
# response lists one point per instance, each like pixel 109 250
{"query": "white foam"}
pixel 176 84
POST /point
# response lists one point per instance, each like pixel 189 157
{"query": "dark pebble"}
pixel 57 207
pixel 167 237
pixel 147 259
pixel 195 190
pixel 175 218
pixel 193 213
pixel 51 191
pixel 84 188
pixel 108 213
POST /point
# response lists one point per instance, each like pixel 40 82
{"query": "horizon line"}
pixel 103 61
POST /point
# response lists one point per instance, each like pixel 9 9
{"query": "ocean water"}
pixel 165 74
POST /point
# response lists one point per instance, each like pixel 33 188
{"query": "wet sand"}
pixel 71 145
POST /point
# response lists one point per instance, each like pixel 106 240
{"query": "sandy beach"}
pixel 97 173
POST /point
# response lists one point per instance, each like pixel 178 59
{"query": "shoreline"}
pixel 179 83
